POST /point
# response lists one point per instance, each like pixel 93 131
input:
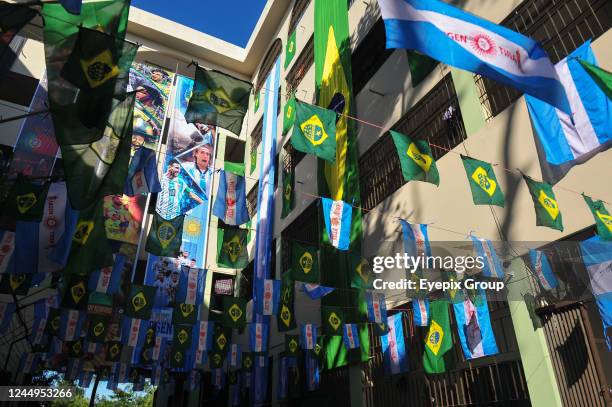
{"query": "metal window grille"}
pixel 292 157
pixel 299 7
pixel 436 118
pixel 303 230
pixel 369 56
pixel 256 135
pixel 301 66
pixel 267 64
pixel 560 26
pixel 252 200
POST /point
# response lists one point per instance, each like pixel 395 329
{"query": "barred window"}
pixel 292 157
pixel 256 135
pixel 268 62
pixel 303 230
pixel 299 7
pixel 301 66
pixel 369 56
pixel 435 118
pixel 560 26
pixel 252 200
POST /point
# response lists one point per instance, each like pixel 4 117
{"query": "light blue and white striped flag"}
pixel 337 215
pixel 377 307
pixel 309 336
pixel 316 291
pixel 395 357
pixel 474 328
pixel 420 308
pixel 542 270
pixel 351 336
pixel 416 241
pixel 492 265
pixel 230 205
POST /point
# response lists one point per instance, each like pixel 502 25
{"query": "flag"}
pixel 218 99
pixel 332 320
pixel 230 205
pixel 416 159
pixel 258 337
pixel 308 336
pixel 597 258
pixel 315 291
pixel 351 336
pixel 377 307
pixel 420 309
pixel 305 263
pixel 545 204
pixel 7 247
pixel 292 345
pixel 285 319
pixel 256 99
pixel 337 216
pixel 26 200
pixel 182 337
pixel 67 222
pixel 283 375
pixel 474 328
pixel 247 361
pixel 270 297
pixel 165 236
pixel 420 66
pixel 232 248
pixel 97 328
pixel 75 292
pixel 416 239
pixel 73 7
pixel 601 77
pixel 221 338
pixel 190 288
pixel 542 270
pixel 439 339
pixel 288 189
pixel 13 17
pixel 395 355
pixel 563 141
pixel 113 351
pixel 289 114
pixel 108 279
pixel 483 183
pixel 234 356
pixel 218 378
pixel 184 314
pixel 17 284
pixel 100 167
pixel 290 48
pixel 465 41
pixel 140 301
pixel 603 220
pixel 234 312
pixel 142 177
pixel 492 264
pixel 314 131
pixel 360 271
pixel 71 324
pixel 133 331
pixel 6 316
pixel 312 372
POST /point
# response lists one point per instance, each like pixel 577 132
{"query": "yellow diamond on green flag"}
pixel 217 359
pixel 545 204
pixel 114 350
pixel 78 291
pixel 487 184
pixel 98 329
pixel 26 202
pixel 293 345
pixel 313 130
pixel 100 68
pixel 306 262
pixel 82 231
pixel 76 347
pixel 419 158
pixel 483 183
pixel 182 336
pixel 549 204
pixel 415 158
pixel 235 312
pixel 178 356
pixel 434 337
pixel 186 309
pixel 605 219
pixel 219 99
pixel 221 341
pixel 233 248
pixel 165 233
pixel 334 321
pixel 139 301
pixel 285 315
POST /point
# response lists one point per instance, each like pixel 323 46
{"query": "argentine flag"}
pixel 465 41
pixel 485 250
pixel 394 346
pixel 309 336
pixel 351 336
pixel 337 216
pixel 542 270
pixel 315 291
pixel 562 144
pixel 474 328
pixel 420 309
pixel 108 279
pixel 230 205
pixel 377 307
pixel 416 241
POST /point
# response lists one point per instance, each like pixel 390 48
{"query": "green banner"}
pixel 416 159
pixel 603 220
pixel 439 338
pixel 140 301
pixel 290 49
pixel 314 131
pixel 545 204
pixel 165 236
pixel 304 263
pixel 232 248
pixel 483 182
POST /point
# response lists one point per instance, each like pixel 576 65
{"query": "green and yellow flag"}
pixel 75 349
pixel 53 322
pixel 333 320
pixel 416 159
pixel 545 203
pixel 361 272
pixel 216 360
pixel 602 78
pixel 113 351
pixel 292 345
pixel 184 314
pixel 75 292
pixel 289 114
pixel 165 236
pixel 26 200
pixel 234 312
pixel 218 99
pixel 177 357
pixel 253 158
pixel 97 328
pixel 17 284
pixel 290 48
pixel 603 220
pixel 314 131
pixel 285 320
pixel 305 263
pixel 288 192
pixel 247 361
pixel 232 248
pixel 182 336
pixel 439 338
pixel 222 337
pixel 140 301
pixel 483 183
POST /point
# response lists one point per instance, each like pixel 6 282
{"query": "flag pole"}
pixel 92 399
pixel 22 116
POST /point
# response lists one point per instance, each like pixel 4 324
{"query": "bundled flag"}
pixel 351 336
pixel 315 291
pixel 492 264
pixel 309 336
pixel 420 309
pixel 394 346
pixel 332 319
pixel 562 140
pixel 230 205
pixel 474 328
pixel 465 41
pixel 140 301
pixel 314 131
pixel 377 307
pixel 305 263
pixel 270 298
pixel 542 270
pixel 545 204
pixel 416 240
pixel 289 114
pixel 142 177
pixel 416 159
pixel 218 99
pixel 232 248
pixel 258 337
pixel 292 345
pixel 337 216
pixel 483 183
pixel 439 339
pixel 165 236
pixel 26 200
pixel 603 220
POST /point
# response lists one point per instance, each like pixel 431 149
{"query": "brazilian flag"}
pixel 416 159
pixel 603 220
pixel 182 336
pixel 333 320
pixel 292 345
pixel 113 351
pixel 285 319
pixel 232 248
pixel 165 236
pixel 361 271
pixel 600 76
pixel 439 338
pixel 222 337
pixel 52 328
pixel 75 292
pixel 177 357
pixel 314 131
pixel 17 284
pixel 380 329
pixel 90 248
pixel 317 351
pixel 26 201
pixel 215 360
pixel 184 314
pixel 146 353
pixel 253 158
pixel 234 312
pixel 483 183
pixel 305 263
pixel 289 115
pixel 290 48
pixel 218 99
pixel 288 191
pixel 545 204
pixel 247 361
pixel 96 331
pixel 420 66
pixel 287 289
pixel 140 301
pixel 75 349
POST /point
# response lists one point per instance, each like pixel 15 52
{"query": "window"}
pixel 369 56
pixel 301 66
pixel 252 200
pixel 303 230
pixel 292 157
pixel 244 286
pixel 436 118
pixel 256 135
pixel 299 7
pixel 268 63
pixel 17 88
pixel 234 150
pixel 560 26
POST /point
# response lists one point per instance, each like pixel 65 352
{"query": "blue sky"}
pixel 230 20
